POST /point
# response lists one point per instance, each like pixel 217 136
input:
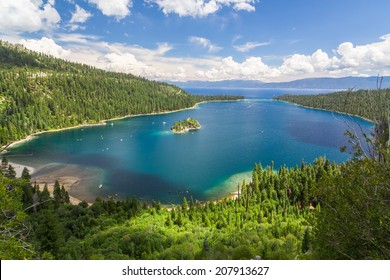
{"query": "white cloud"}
pixel 368 56
pixel 117 8
pixel 297 64
pixel 251 68
pixel 74 27
pixel 205 43
pixel 80 39
pixel 321 61
pixel 49 15
pixel 318 62
pixel 80 15
pixel 362 60
pixel 27 16
pixel 244 6
pixel 236 38
pixel 250 46
pixel 47 46
pixel 163 48
pixel 125 62
pixel 200 8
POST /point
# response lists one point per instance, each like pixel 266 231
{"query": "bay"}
pixel 141 156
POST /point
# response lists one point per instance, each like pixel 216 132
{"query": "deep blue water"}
pixel 140 156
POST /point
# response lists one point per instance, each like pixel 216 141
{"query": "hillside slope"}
pixel 367 104
pixel 40 93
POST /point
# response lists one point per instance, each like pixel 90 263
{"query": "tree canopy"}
pixel 40 93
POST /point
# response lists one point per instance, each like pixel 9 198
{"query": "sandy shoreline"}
pixel 332 111
pixel 102 122
pixel 70 183
pixel 70 180
pixel 19 168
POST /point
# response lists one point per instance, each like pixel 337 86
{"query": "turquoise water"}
pixel 140 156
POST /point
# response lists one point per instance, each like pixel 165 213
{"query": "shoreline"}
pixel 19 168
pixel 71 182
pixel 326 110
pixel 100 123
pixel 68 182
pixel 3 149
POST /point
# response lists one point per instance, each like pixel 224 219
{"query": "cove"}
pixel 141 156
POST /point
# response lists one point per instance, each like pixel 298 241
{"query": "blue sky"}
pixel 180 40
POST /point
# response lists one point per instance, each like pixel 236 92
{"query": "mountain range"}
pixel 372 82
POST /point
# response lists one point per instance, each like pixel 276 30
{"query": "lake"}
pixel 141 156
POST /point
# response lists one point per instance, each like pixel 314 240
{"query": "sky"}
pixel 208 40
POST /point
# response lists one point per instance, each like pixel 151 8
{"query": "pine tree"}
pixel 45 198
pixel 26 174
pixel 184 205
pixel 4 163
pixel 57 194
pixel 306 241
pixel 48 232
pixel 64 195
pixel 11 173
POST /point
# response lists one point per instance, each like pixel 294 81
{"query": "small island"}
pixel 185 126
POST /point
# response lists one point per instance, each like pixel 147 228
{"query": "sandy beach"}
pixel 19 169
pixel 68 182
pixel 103 122
pixel 80 183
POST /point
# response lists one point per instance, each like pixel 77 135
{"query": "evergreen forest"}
pixel 318 210
pixel 40 93
pixel 369 104
pixel 185 125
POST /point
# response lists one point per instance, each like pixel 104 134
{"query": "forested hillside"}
pixel 369 104
pixel 313 211
pixel 40 93
pixel 269 220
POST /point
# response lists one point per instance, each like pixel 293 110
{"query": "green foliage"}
pixel 355 203
pixel 26 174
pixel 185 125
pixel 269 221
pixel 13 227
pixel 361 103
pixel 319 210
pixel 354 222
pixel 40 93
pixel 274 218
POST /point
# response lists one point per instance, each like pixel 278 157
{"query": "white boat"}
pixel 100 186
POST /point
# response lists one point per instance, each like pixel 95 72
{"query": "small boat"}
pixel 100 186
pixel 164 123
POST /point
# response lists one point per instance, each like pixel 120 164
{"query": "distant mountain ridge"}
pixel 310 83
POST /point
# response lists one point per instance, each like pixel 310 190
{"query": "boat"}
pixel 100 186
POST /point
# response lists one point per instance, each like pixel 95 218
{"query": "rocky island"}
pixel 185 126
